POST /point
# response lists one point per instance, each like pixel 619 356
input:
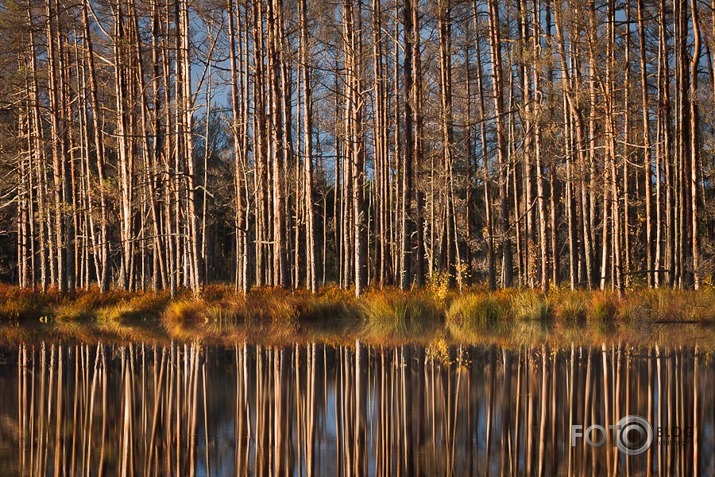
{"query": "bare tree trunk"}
pixel 281 147
pixel 447 130
pixel 406 169
pixel 418 150
pixel 694 145
pixel 502 155
pixel 311 270
pixel 489 226
pixel 186 104
pixel 382 161
pixel 239 132
pixel 540 189
pixel 568 81
pixel 38 155
pixel 56 138
pixel 650 264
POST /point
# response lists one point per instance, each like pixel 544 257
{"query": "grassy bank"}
pixel 380 316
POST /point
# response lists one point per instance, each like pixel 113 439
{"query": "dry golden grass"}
pixel 531 305
pixel 393 314
pixel 478 311
pixel 140 306
pixel 24 304
pixel 379 317
pixel 570 307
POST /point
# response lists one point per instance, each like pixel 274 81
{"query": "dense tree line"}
pixel 168 144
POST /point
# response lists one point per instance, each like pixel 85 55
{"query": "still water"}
pixel 328 410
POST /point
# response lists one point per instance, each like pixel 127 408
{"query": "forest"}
pixel 170 144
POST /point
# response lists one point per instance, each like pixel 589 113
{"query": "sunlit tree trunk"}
pixel 694 145
pixel 408 156
pixel 238 129
pixel 501 146
pixel 310 231
pixel 650 264
pixel 447 131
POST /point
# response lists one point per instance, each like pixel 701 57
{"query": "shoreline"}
pixel 276 316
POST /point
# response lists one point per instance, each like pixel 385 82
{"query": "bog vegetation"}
pixel 430 315
pixel 149 144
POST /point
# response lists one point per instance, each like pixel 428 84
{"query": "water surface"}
pixel 309 409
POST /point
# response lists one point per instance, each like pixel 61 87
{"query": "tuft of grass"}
pixel 226 306
pixel 85 304
pixel 637 308
pixel 22 304
pixel 141 306
pixel 570 307
pixel 531 305
pixel 183 311
pixel 703 305
pixel 478 311
pixel 395 314
pixel 220 313
pixel 331 307
pixel 603 308
pixel 272 304
pixel 284 310
pixel 81 309
pixel 216 292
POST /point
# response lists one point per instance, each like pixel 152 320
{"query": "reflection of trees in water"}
pixel 320 410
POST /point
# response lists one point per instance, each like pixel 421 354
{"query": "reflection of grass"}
pixel 530 331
